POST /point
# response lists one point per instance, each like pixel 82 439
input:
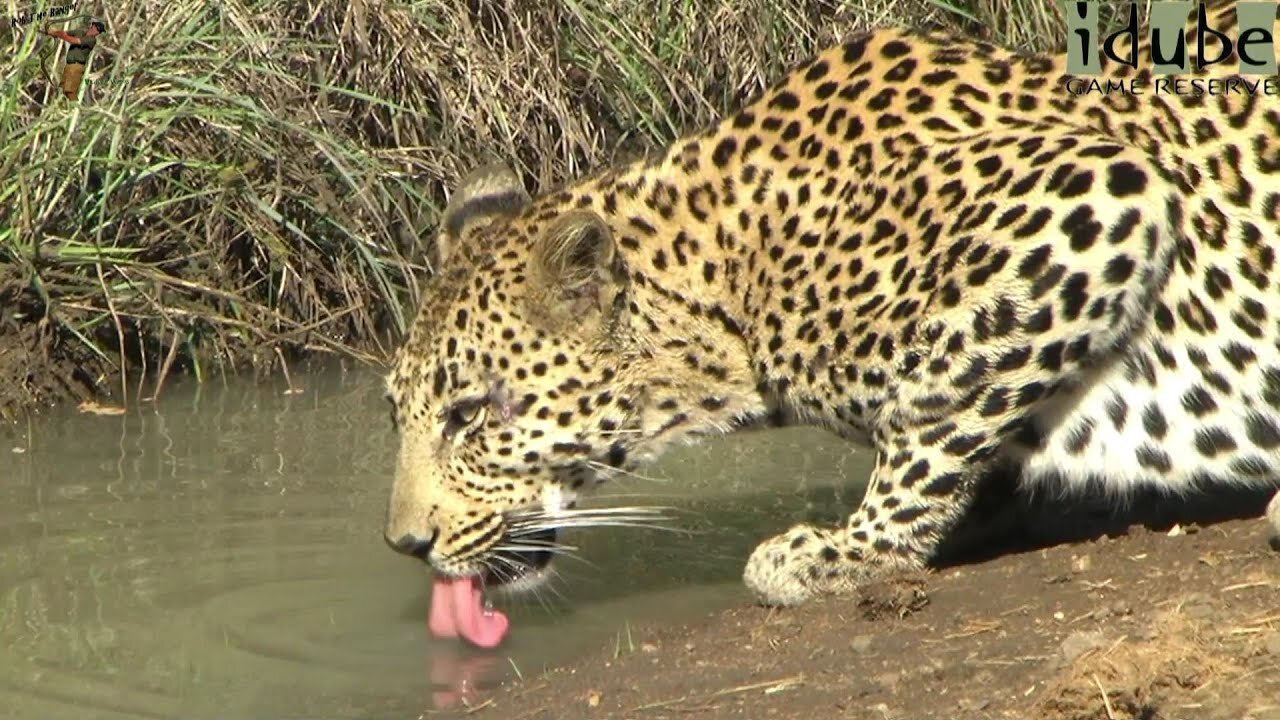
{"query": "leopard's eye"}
pixel 461 414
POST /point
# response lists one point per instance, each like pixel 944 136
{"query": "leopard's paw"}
pixel 803 563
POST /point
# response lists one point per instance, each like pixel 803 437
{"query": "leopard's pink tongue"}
pixel 456 609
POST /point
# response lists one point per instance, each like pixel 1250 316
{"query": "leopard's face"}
pixel 509 396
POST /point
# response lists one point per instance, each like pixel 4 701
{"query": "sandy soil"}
pixel 1176 623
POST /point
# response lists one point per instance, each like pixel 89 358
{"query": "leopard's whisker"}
pixel 646 510
pixel 533 547
pixel 611 470
pixel 547 587
pixel 497 566
pixel 565 523
pixel 529 523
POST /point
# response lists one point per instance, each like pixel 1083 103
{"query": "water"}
pixel 218 554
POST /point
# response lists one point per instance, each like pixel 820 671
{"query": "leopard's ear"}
pixel 577 253
pixel 485 194
pixel 581 277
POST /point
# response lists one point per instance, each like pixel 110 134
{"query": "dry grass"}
pixel 250 182
pixel 1188 665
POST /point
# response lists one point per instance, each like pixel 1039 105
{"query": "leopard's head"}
pixel 531 374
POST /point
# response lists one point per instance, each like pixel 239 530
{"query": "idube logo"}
pixel 1253 43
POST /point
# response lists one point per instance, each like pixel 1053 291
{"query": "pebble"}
pixel 860 644
pixel 1198 611
pixel 1272 643
pixel 1146 633
pixel 889 680
pixel 1273 515
pixel 1080 643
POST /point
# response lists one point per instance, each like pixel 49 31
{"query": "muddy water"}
pixel 218 554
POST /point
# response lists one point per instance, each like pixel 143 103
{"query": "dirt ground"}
pixel 38 369
pixel 1179 622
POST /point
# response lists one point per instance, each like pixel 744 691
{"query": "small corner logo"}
pixel 30 16
pixel 1253 43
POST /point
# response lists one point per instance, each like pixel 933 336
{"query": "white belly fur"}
pixel 1110 460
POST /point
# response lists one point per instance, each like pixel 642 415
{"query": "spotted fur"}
pixel 919 242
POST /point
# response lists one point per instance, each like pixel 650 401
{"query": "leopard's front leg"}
pixel 923 481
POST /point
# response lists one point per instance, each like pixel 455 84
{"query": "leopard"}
pixel 922 243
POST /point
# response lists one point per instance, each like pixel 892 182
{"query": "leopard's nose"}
pixel 411 544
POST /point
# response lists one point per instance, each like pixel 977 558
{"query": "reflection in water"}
pixel 455 679
pixel 220 555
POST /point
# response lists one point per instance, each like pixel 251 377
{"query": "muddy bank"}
pixel 1179 623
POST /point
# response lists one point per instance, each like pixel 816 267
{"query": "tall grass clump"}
pixel 251 182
